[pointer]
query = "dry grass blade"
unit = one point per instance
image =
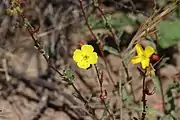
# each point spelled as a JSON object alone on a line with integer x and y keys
{"x": 149, "y": 26}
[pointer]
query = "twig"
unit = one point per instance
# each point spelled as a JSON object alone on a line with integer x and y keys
{"x": 104, "y": 103}
{"x": 41, "y": 105}
{"x": 120, "y": 95}
{"x": 101, "y": 49}
{"x": 130, "y": 8}
{"x": 81, "y": 97}
{"x": 103, "y": 97}
{"x": 162, "y": 95}
{"x": 5, "y": 69}
{"x": 107, "y": 23}
{"x": 99, "y": 79}
{"x": 129, "y": 79}
{"x": 86, "y": 20}
{"x": 144, "y": 97}
{"x": 38, "y": 45}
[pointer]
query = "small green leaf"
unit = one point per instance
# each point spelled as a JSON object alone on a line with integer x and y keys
{"x": 68, "y": 74}
{"x": 169, "y": 33}
{"x": 111, "y": 50}
{"x": 126, "y": 97}
{"x": 116, "y": 21}
{"x": 157, "y": 84}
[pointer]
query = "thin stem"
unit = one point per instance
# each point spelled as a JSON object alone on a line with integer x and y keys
{"x": 101, "y": 89}
{"x": 81, "y": 97}
{"x": 162, "y": 96}
{"x": 39, "y": 47}
{"x": 37, "y": 44}
{"x": 109, "y": 73}
{"x": 119, "y": 4}
{"x": 88, "y": 25}
{"x": 121, "y": 102}
{"x": 86, "y": 20}
{"x": 107, "y": 24}
{"x": 107, "y": 109}
{"x": 99, "y": 79}
{"x": 88, "y": 107}
{"x": 128, "y": 80}
{"x": 144, "y": 97}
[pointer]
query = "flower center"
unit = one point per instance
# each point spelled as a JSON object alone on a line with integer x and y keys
{"x": 143, "y": 57}
{"x": 85, "y": 57}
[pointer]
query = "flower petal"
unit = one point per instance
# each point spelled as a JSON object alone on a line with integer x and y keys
{"x": 139, "y": 49}
{"x": 149, "y": 51}
{"x": 87, "y": 48}
{"x": 136, "y": 60}
{"x": 83, "y": 64}
{"x": 77, "y": 55}
{"x": 145, "y": 63}
{"x": 93, "y": 58}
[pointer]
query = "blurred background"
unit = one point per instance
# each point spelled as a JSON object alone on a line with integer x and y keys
{"x": 31, "y": 90}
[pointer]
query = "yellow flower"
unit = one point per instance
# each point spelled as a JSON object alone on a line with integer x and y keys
{"x": 85, "y": 57}
{"x": 14, "y": 11}
{"x": 143, "y": 56}
{"x": 15, "y": 7}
